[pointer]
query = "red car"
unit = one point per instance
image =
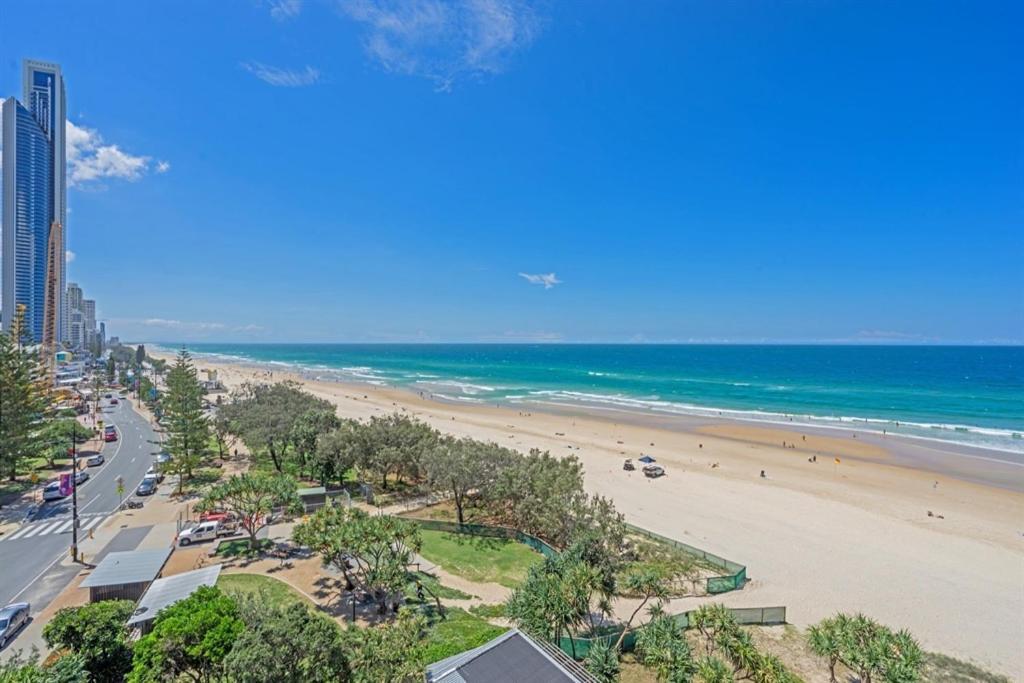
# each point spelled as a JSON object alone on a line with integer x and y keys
{"x": 113, "y": 401}
{"x": 109, "y": 434}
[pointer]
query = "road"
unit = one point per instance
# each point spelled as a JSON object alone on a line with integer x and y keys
{"x": 30, "y": 555}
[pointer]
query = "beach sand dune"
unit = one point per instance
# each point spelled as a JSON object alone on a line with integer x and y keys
{"x": 817, "y": 537}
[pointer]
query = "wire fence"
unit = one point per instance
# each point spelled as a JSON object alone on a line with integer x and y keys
{"x": 746, "y": 616}
{"x": 734, "y": 579}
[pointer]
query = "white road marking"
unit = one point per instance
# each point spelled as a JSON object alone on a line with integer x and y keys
{"x": 92, "y": 522}
{"x": 34, "y": 529}
{"x": 64, "y": 527}
{"x": 19, "y": 533}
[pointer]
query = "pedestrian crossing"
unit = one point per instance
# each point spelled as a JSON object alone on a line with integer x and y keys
{"x": 62, "y": 525}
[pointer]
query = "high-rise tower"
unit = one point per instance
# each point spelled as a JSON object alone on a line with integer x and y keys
{"x": 35, "y": 204}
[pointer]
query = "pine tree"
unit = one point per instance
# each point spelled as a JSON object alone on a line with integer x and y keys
{"x": 188, "y": 431}
{"x": 22, "y": 402}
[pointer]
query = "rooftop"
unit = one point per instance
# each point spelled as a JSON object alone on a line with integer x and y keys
{"x": 169, "y": 590}
{"x": 510, "y": 658}
{"x": 135, "y": 566}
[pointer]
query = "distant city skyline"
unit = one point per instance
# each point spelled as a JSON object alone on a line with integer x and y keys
{"x": 339, "y": 172}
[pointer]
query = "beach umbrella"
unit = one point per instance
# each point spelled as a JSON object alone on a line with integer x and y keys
{"x": 646, "y": 459}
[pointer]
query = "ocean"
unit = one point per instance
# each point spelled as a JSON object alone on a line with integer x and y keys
{"x": 969, "y": 395}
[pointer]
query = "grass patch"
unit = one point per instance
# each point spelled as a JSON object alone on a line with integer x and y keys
{"x": 239, "y": 547}
{"x": 489, "y": 611}
{"x": 433, "y": 586}
{"x": 943, "y": 669}
{"x": 457, "y": 632}
{"x": 273, "y": 591}
{"x": 478, "y": 558}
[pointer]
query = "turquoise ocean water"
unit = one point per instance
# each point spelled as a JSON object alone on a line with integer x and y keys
{"x": 971, "y": 395}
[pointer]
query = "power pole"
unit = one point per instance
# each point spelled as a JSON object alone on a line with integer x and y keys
{"x": 74, "y": 495}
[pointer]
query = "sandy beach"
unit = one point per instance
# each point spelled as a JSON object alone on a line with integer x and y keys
{"x": 817, "y": 536}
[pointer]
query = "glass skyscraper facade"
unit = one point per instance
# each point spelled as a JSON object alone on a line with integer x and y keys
{"x": 34, "y": 198}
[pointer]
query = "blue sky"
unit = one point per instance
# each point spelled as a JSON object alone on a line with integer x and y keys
{"x": 318, "y": 170}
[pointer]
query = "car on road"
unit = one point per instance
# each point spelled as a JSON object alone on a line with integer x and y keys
{"x": 109, "y": 433}
{"x": 113, "y": 401}
{"x": 52, "y": 491}
{"x": 147, "y": 487}
{"x": 107, "y": 395}
{"x": 12, "y": 619}
{"x": 81, "y": 477}
{"x": 204, "y": 531}
{"x": 95, "y": 460}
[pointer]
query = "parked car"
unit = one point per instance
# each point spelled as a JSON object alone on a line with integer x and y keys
{"x": 204, "y": 531}
{"x": 95, "y": 460}
{"x": 654, "y": 471}
{"x": 81, "y": 477}
{"x": 52, "y": 491}
{"x": 162, "y": 458}
{"x": 154, "y": 473}
{"x": 12, "y": 618}
{"x": 147, "y": 487}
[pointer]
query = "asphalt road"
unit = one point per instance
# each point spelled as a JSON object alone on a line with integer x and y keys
{"x": 30, "y": 555}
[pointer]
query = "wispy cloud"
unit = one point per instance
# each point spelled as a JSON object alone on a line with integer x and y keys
{"x": 444, "y": 41}
{"x": 282, "y": 10}
{"x": 282, "y": 78}
{"x": 69, "y": 256}
{"x": 549, "y": 280}
{"x": 163, "y": 166}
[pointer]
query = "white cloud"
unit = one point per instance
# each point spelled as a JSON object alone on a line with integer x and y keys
{"x": 283, "y": 78}
{"x": 163, "y": 166}
{"x": 547, "y": 279}
{"x": 69, "y": 256}
{"x": 444, "y": 41}
{"x": 282, "y": 10}
{"x": 90, "y": 159}
{"x": 180, "y": 324}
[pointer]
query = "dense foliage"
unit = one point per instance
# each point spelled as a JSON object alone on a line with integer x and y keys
{"x": 23, "y": 401}
{"x": 95, "y": 632}
{"x": 871, "y": 650}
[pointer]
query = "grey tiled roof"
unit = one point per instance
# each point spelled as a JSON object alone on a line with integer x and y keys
{"x": 512, "y": 657}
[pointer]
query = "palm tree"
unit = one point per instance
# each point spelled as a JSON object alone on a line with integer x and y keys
{"x": 824, "y": 642}
{"x": 714, "y": 670}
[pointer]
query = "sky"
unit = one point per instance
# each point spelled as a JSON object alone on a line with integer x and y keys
{"x": 517, "y": 171}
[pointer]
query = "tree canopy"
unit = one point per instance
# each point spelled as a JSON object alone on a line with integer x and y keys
{"x": 188, "y": 431}
{"x": 252, "y": 496}
{"x": 95, "y": 632}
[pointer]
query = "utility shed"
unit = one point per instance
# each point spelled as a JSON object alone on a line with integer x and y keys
{"x": 512, "y": 657}
{"x": 125, "y": 575}
{"x": 167, "y": 591}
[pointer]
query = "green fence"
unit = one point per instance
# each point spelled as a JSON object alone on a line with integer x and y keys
{"x": 734, "y": 579}
{"x": 488, "y": 531}
{"x": 763, "y": 616}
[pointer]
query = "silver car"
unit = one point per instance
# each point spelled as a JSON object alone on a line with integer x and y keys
{"x": 12, "y": 618}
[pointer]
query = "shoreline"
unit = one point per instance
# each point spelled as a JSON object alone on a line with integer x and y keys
{"x": 869, "y": 534}
{"x": 999, "y": 443}
{"x": 969, "y": 463}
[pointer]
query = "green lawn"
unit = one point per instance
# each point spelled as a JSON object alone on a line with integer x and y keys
{"x": 484, "y": 560}
{"x": 237, "y": 547}
{"x": 458, "y": 632}
{"x": 275, "y": 592}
